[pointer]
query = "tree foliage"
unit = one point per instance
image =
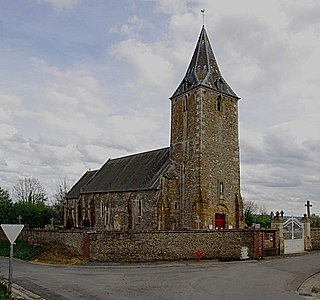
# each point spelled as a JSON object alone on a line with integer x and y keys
{"x": 60, "y": 202}
{"x": 255, "y": 215}
{"x": 29, "y": 190}
{"x": 33, "y": 213}
{"x": 314, "y": 221}
{"x": 6, "y": 207}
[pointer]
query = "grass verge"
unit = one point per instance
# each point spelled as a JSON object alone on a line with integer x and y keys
{"x": 51, "y": 253}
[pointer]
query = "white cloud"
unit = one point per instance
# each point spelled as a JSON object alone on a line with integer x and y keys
{"x": 303, "y": 15}
{"x": 133, "y": 26}
{"x": 60, "y": 4}
{"x": 7, "y": 131}
{"x": 281, "y": 166}
{"x": 147, "y": 61}
{"x": 9, "y": 104}
{"x": 60, "y": 117}
{"x": 172, "y": 7}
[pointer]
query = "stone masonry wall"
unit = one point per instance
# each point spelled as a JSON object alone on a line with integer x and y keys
{"x": 315, "y": 238}
{"x": 137, "y": 247}
{"x": 152, "y": 246}
{"x": 204, "y": 141}
{"x": 39, "y": 236}
{"x": 124, "y": 210}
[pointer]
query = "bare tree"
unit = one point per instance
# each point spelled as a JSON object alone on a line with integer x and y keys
{"x": 60, "y": 201}
{"x": 255, "y": 214}
{"x": 29, "y": 190}
{"x": 263, "y": 210}
{"x": 250, "y": 207}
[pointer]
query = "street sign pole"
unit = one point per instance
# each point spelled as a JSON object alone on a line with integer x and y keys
{"x": 10, "y": 269}
{"x": 11, "y": 231}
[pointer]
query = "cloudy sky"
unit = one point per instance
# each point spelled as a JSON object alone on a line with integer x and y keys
{"x": 85, "y": 80}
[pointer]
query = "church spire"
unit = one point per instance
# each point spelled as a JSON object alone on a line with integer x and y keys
{"x": 203, "y": 70}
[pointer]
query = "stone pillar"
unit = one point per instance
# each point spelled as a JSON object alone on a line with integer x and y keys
{"x": 257, "y": 244}
{"x": 86, "y": 246}
{"x": 307, "y": 234}
{"x": 277, "y": 223}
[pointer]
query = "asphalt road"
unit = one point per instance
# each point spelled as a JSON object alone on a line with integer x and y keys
{"x": 268, "y": 279}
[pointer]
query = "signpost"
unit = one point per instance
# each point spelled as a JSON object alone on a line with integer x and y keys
{"x": 11, "y": 231}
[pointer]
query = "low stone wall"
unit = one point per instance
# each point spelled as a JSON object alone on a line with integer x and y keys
{"x": 137, "y": 247}
{"x": 153, "y": 246}
{"x": 39, "y": 236}
{"x": 315, "y": 238}
{"x": 69, "y": 238}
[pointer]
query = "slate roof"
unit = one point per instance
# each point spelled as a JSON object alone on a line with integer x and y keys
{"x": 76, "y": 189}
{"x": 203, "y": 70}
{"x": 130, "y": 173}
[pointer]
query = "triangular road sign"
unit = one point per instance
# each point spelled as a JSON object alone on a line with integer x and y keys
{"x": 12, "y": 231}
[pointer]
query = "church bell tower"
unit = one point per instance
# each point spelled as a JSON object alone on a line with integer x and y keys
{"x": 204, "y": 143}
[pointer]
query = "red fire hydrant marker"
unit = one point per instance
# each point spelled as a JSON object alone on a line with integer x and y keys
{"x": 198, "y": 255}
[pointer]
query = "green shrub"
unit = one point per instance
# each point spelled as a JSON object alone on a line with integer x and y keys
{"x": 4, "y": 295}
{"x": 21, "y": 250}
{"x": 4, "y": 249}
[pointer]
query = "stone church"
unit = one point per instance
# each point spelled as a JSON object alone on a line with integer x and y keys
{"x": 193, "y": 184}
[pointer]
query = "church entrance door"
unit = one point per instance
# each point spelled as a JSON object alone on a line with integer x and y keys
{"x": 220, "y": 220}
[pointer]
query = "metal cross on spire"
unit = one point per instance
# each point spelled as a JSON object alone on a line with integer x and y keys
{"x": 202, "y": 11}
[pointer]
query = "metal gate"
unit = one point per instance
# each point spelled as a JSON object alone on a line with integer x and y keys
{"x": 293, "y": 234}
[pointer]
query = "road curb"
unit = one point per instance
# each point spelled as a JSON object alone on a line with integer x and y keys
{"x": 20, "y": 293}
{"x": 307, "y": 288}
{"x": 159, "y": 264}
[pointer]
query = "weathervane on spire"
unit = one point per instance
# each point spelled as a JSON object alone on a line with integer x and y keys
{"x": 202, "y": 11}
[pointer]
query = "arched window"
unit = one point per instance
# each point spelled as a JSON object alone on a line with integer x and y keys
{"x": 105, "y": 212}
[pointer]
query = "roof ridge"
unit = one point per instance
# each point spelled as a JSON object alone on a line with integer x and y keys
{"x": 139, "y": 153}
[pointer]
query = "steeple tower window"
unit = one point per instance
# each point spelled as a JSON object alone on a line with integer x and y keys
{"x": 184, "y": 103}
{"x": 219, "y": 103}
{"x": 139, "y": 208}
{"x": 221, "y": 190}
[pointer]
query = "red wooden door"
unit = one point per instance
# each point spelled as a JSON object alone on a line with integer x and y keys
{"x": 219, "y": 221}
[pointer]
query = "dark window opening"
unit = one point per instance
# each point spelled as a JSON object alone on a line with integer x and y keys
{"x": 107, "y": 214}
{"x": 185, "y": 103}
{"x": 139, "y": 208}
{"x": 219, "y": 103}
{"x": 221, "y": 188}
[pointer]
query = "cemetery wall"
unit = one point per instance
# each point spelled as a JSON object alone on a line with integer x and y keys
{"x": 315, "y": 238}
{"x": 156, "y": 245}
{"x": 138, "y": 247}
{"x": 39, "y": 236}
